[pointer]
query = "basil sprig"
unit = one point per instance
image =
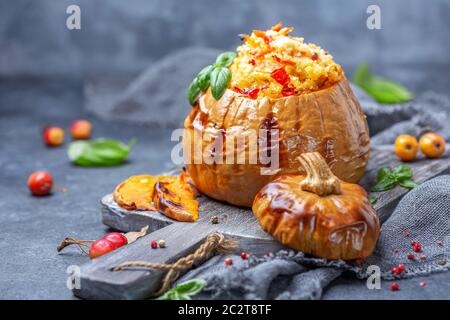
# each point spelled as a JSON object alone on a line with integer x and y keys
{"x": 99, "y": 152}
{"x": 184, "y": 290}
{"x": 388, "y": 179}
{"x": 216, "y": 75}
{"x": 382, "y": 90}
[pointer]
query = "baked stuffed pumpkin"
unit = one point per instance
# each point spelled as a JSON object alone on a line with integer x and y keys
{"x": 275, "y": 82}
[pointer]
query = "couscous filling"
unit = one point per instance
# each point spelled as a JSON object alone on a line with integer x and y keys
{"x": 274, "y": 64}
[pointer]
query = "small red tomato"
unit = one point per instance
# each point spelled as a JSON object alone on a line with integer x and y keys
{"x": 100, "y": 247}
{"x": 40, "y": 183}
{"x": 53, "y": 136}
{"x": 401, "y": 268}
{"x": 154, "y": 244}
{"x": 395, "y": 286}
{"x": 228, "y": 261}
{"x": 116, "y": 238}
{"x": 411, "y": 256}
{"x": 81, "y": 129}
{"x": 432, "y": 145}
{"x": 422, "y": 284}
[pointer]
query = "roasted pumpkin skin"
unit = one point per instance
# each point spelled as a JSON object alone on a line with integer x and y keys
{"x": 329, "y": 121}
{"x": 337, "y": 225}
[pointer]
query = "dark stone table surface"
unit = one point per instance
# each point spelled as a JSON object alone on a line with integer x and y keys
{"x": 31, "y": 227}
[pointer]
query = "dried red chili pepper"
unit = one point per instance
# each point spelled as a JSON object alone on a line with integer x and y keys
{"x": 315, "y": 56}
{"x": 252, "y": 62}
{"x": 281, "y": 76}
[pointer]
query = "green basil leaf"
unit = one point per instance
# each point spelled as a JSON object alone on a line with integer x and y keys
{"x": 362, "y": 76}
{"x": 184, "y": 290}
{"x": 169, "y": 295}
{"x": 191, "y": 287}
{"x": 402, "y": 172}
{"x": 407, "y": 184}
{"x": 225, "y": 59}
{"x": 193, "y": 92}
{"x": 384, "y": 184}
{"x": 220, "y": 77}
{"x": 99, "y": 152}
{"x": 383, "y": 173}
{"x": 382, "y": 90}
{"x": 372, "y": 199}
{"x": 203, "y": 78}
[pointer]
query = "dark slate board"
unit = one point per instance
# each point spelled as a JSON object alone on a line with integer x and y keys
{"x": 98, "y": 282}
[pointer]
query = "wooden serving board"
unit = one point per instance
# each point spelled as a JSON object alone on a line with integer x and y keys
{"x": 99, "y": 282}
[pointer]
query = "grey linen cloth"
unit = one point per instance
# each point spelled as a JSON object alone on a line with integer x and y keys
{"x": 422, "y": 215}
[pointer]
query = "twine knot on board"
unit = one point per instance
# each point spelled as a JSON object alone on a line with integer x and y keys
{"x": 214, "y": 243}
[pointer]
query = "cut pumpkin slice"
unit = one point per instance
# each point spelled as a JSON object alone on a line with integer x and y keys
{"x": 174, "y": 197}
{"x": 136, "y": 192}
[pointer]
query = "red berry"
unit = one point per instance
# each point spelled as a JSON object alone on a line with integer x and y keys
{"x": 395, "y": 286}
{"x": 53, "y": 136}
{"x": 417, "y": 247}
{"x": 244, "y": 255}
{"x": 411, "y": 256}
{"x": 40, "y": 183}
{"x": 154, "y": 244}
{"x": 100, "y": 247}
{"x": 422, "y": 284}
{"x": 395, "y": 270}
{"x": 228, "y": 261}
{"x": 116, "y": 238}
{"x": 81, "y": 129}
{"x": 401, "y": 268}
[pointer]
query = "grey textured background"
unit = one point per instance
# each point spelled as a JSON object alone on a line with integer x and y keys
{"x": 44, "y": 66}
{"x": 122, "y": 37}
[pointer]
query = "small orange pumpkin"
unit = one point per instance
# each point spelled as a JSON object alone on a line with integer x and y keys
{"x": 318, "y": 214}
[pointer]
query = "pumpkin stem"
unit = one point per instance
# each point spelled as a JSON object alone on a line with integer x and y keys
{"x": 319, "y": 178}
